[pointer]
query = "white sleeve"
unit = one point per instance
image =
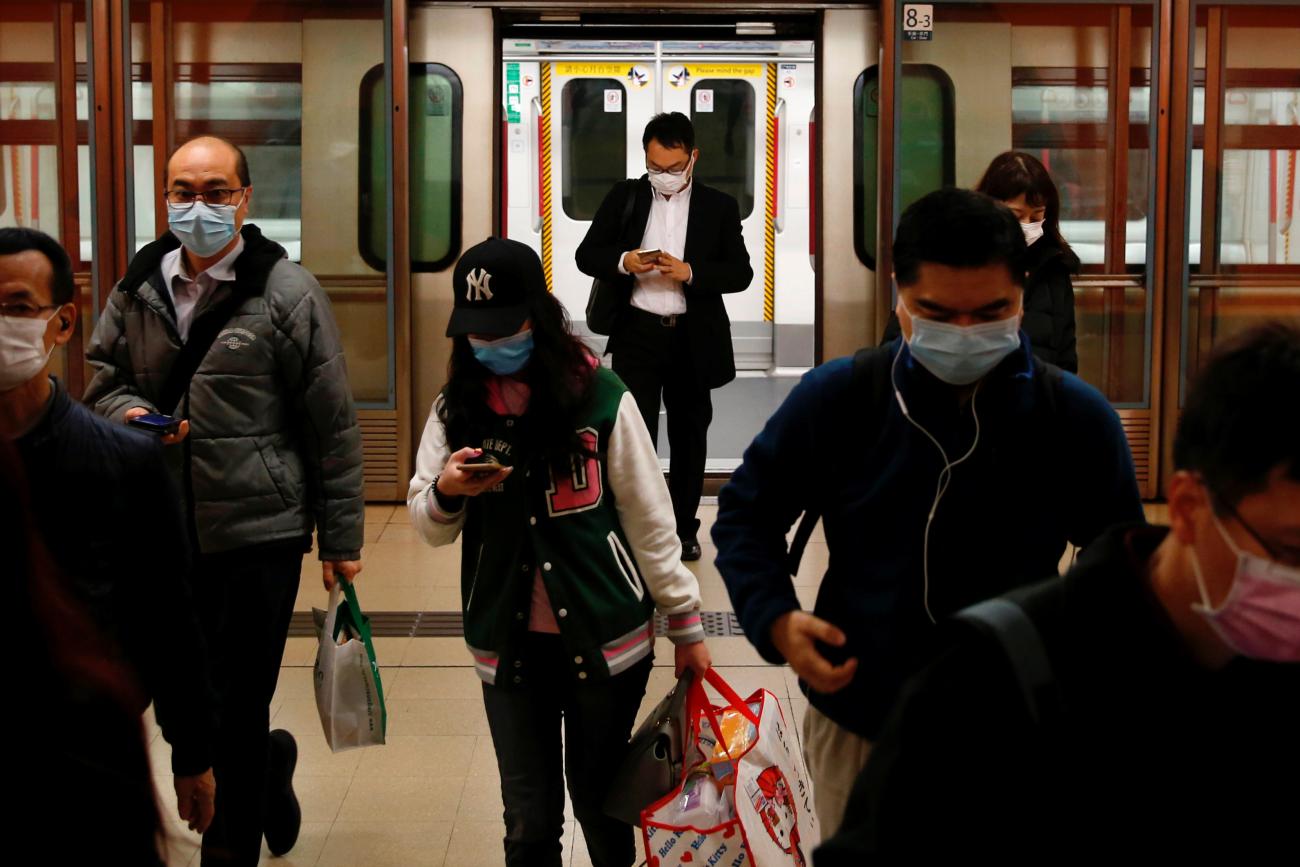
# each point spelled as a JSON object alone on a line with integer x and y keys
{"x": 433, "y": 524}
{"x": 645, "y": 512}
{"x": 621, "y": 269}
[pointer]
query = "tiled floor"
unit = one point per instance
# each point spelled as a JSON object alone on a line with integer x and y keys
{"x": 431, "y": 796}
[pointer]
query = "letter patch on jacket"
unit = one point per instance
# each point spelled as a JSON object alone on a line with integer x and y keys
{"x": 583, "y": 488}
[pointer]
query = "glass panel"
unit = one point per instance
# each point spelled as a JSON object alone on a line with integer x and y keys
{"x": 265, "y": 119}
{"x": 1259, "y": 183}
{"x": 145, "y": 180}
{"x": 593, "y": 142}
{"x": 280, "y": 89}
{"x": 1040, "y": 84}
{"x": 725, "y": 137}
{"x": 30, "y": 180}
{"x": 1217, "y": 314}
{"x": 927, "y": 140}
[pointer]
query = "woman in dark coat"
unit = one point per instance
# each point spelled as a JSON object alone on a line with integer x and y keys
{"x": 1022, "y": 183}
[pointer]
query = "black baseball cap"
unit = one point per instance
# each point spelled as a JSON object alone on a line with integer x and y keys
{"x": 492, "y": 284}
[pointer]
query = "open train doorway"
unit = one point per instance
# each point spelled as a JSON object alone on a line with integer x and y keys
{"x": 573, "y": 112}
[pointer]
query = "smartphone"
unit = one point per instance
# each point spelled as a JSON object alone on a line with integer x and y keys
{"x": 648, "y": 256}
{"x": 481, "y": 465}
{"x": 159, "y": 424}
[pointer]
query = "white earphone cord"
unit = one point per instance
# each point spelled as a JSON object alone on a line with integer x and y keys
{"x": 945, "y": 475}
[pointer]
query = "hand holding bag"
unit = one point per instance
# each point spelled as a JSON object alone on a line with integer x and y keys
{"x": 349, "y": 693}
{"x": 653, "y": 763}
{"x": 749, "y": 803}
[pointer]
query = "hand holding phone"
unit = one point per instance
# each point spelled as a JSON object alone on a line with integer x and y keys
{"x": 484, "y": 464}
{"x": 648, "y": 257}
{"x": 155, "y": 423}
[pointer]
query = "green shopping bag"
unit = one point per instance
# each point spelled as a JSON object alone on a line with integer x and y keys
{"x": 349, "y": 691}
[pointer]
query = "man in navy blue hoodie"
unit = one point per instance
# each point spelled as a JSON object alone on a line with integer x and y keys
{"x": 952, "y": 466}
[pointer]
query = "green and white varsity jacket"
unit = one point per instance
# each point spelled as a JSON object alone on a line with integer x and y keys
{"x": 603, "y": 538}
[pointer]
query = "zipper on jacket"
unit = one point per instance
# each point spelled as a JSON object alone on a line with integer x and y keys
{"x": 474, "y": 581}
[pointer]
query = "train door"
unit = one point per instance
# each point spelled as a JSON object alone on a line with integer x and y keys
{"x": 573, "y": 133}
{"x": 571, "y": 129}
{"x": 752, "y": 125}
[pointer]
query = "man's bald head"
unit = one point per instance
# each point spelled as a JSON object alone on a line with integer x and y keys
{"x": 208, "y": 156}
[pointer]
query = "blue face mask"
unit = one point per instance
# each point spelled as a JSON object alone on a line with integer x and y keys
{"x": 203, "y": 229}
{"x": 962, "y": 354}
{"x": 505, "y": 356}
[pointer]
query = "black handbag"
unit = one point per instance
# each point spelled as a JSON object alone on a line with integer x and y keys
{"x": 652, "y": 766}
{"x": 607, "y": 300}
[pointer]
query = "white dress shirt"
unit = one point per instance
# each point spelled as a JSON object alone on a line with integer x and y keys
{"x": 187, "y": 291}
{"x": 665, "y": 230}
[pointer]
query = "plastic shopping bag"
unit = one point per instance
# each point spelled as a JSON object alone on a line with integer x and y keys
{"x": 349, "y": 693}
{"x": 747, "y": 802}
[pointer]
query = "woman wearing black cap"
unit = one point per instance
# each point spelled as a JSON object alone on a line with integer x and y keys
{"x": 538, "y": 459}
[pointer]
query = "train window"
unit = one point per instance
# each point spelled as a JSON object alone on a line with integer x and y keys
{"x": 928, "y": 128}
{"x": 1059, "y": 115}
{"x": 593, "y": 143}
{"x": 1258, "y": 193}
{"x": 725, "y": 137}
{"x": 436, "y": 101}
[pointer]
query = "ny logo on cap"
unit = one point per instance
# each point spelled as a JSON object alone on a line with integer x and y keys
{"x": 478, "y": 289}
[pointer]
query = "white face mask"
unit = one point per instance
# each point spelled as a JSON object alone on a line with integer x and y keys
{"x": 1033, "y": 231}
{"x": 22, "y": 349}
{"x": 671, "y": 183}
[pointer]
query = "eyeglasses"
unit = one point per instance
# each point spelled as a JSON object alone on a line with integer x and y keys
{"x": 186, "y": 198}
{"x": 23, "y": 310}
{"x": 1291, "y": 558}
{"x": 677, "y": 173}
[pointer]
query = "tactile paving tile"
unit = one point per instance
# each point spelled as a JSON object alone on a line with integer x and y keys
{"x": 430, "y": 624}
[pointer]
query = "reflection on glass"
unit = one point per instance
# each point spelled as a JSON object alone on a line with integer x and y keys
{"x": 1217, "y": 314}
{"x": 265, "y": 119}
{"x": 593, "y": 144}
{"x": 434, "y": 142}
{"x": 928, "y": 139}
{"x": 725, "y": 137}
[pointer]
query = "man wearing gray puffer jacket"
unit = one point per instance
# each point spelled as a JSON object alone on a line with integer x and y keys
{"x": 247, "y": 355}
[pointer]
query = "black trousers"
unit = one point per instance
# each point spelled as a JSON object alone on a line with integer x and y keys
{"x": 525, "y": 724}
{"x": 654, "y": 359}
{"x": 244, "y": 600}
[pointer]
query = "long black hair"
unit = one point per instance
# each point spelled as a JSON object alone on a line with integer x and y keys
{"x": 1017, "y": 173}
{"x": 559, "y": 374}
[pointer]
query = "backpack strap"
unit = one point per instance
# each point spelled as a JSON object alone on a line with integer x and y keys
{"x": 252, "y": 269}
{"x": 1005, "y": 620}
{"x": 203, "y": 332}
{"x": 870, "y": 380}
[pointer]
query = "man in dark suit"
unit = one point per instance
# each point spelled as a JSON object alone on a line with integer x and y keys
{"x": 672, "y": 259}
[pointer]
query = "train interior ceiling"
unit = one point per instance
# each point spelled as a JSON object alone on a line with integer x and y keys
{"x": 1172, "y": 131}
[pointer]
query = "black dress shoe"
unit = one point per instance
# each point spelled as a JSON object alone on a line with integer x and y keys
{"x": 690, "y": 549}
{"x": 283, "y": 814}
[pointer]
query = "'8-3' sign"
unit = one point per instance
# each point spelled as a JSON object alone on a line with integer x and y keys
{"x": 918, "y": 22}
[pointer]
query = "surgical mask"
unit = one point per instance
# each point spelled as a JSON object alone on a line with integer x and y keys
{"x": 962, "y": 354}
{"x": 671, "y": 183}
{"x": 1033, "y": 231}
{"x": 505, "y": 356}
{"x": 22, "y": 349}
{"x": 203, "y": 229}
{"x": 1260, "y": 619}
